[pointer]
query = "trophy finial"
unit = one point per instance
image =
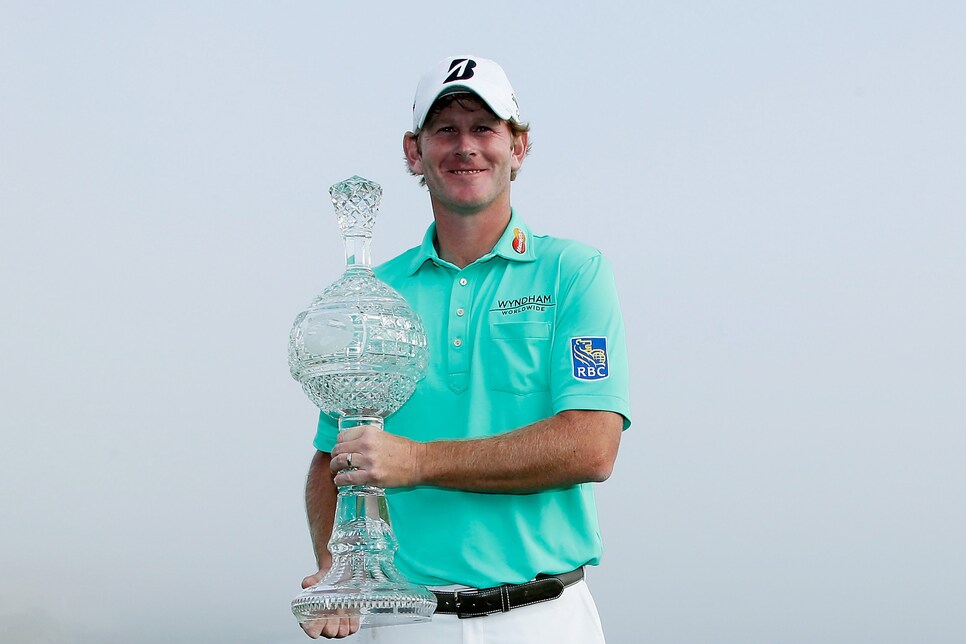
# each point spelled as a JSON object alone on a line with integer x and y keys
{"x": 356, "y": 202}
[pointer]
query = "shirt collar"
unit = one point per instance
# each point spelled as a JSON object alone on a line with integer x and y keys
{"x": 516, "y": 244}
{"x": 426, "y": 252}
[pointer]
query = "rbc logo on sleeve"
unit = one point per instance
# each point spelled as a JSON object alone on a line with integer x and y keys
{"x": 589, "y": 357}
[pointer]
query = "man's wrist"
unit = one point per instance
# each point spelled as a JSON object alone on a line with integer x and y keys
{"x": 423, "y": 462}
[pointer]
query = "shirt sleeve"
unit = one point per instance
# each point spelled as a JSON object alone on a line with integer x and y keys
{"x": 326, "y": 434}
{"x": 589, "y": 355}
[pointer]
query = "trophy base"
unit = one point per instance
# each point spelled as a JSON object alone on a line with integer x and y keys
{"x": 363, "y": 583}
{"x": 386, "y": 605}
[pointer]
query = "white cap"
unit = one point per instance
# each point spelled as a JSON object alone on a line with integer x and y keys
{"x": 473, "y": 74}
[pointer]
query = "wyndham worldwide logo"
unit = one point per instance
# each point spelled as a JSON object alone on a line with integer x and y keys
{"x": 526, "y": 303}
{"x": 589, "y": 358}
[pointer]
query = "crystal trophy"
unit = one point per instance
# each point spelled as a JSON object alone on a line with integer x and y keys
{"x": 358, "y": 350}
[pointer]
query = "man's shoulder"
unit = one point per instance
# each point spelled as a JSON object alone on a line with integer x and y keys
{"x": 399, "y": 266}
{"x": 569, "y": 253}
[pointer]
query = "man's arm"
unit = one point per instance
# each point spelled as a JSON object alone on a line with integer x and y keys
{"x": 575, "y": 446}
{"x": 320, "y": 501}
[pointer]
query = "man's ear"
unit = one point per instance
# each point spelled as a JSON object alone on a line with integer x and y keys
{"x": 411, "y": 150}
{"x": 520, "y": 143}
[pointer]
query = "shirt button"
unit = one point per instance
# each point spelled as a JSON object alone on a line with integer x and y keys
{"x": 457, "y": 342}
{"x": 460, "y": 312}
{"x": 462, "y": 281}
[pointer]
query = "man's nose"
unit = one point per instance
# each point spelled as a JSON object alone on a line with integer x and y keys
{"x": 465, "y": 148}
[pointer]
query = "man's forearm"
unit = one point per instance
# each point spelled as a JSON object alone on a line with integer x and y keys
{"x": 568, "y": 448}
{"x": 565, "y": 449}
{"x": 320, "y": 500}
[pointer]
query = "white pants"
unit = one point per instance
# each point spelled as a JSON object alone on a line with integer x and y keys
{"x": 570, "y": 619}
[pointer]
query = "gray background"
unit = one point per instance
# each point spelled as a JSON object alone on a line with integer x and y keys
{"x": 779, "y": 186}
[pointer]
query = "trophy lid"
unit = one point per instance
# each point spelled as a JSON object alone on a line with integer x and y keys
{"x": 356, "y": 202}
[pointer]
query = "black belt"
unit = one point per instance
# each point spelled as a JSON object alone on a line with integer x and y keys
{"x": 500, "y": 599}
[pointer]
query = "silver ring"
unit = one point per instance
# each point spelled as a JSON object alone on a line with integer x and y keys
{"x": 348, "y": 460}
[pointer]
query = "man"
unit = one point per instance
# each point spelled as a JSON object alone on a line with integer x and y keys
{"x": 488, "y": 466}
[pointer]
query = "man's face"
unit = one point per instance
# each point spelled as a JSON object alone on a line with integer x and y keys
{"x": 466, "y": 153}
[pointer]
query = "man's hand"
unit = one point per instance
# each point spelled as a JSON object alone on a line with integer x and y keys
{"x": 333, "y": 627}
{"x": 376, "y": 457}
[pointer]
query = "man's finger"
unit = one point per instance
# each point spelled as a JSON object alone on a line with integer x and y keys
{"x": 311, "y": 580}
{"x": 345, "y": 462}
{"x": 349, "y": 477}
{"x": 352, "y": 433}
{"x": 313, "y": 629}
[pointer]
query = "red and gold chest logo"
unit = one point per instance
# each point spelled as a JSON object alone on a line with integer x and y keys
{"x": 519, "y": 241}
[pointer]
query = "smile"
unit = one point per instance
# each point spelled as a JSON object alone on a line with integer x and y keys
{"x": 466, "y": 171}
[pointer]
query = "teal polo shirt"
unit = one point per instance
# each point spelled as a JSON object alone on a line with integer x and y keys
{"x": 531, "y": 329}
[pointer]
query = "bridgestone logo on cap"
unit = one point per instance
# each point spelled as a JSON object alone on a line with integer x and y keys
{"x": 460, "y": 69}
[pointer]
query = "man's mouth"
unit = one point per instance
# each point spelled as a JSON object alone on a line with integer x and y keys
{"x": 466, "y": 171}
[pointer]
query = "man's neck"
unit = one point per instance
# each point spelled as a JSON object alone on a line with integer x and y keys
{"x": 461, "y": 239}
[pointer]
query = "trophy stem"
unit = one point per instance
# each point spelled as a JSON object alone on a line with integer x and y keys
{"x": 357, "y": 251}
{"x": 363, "y": 581}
